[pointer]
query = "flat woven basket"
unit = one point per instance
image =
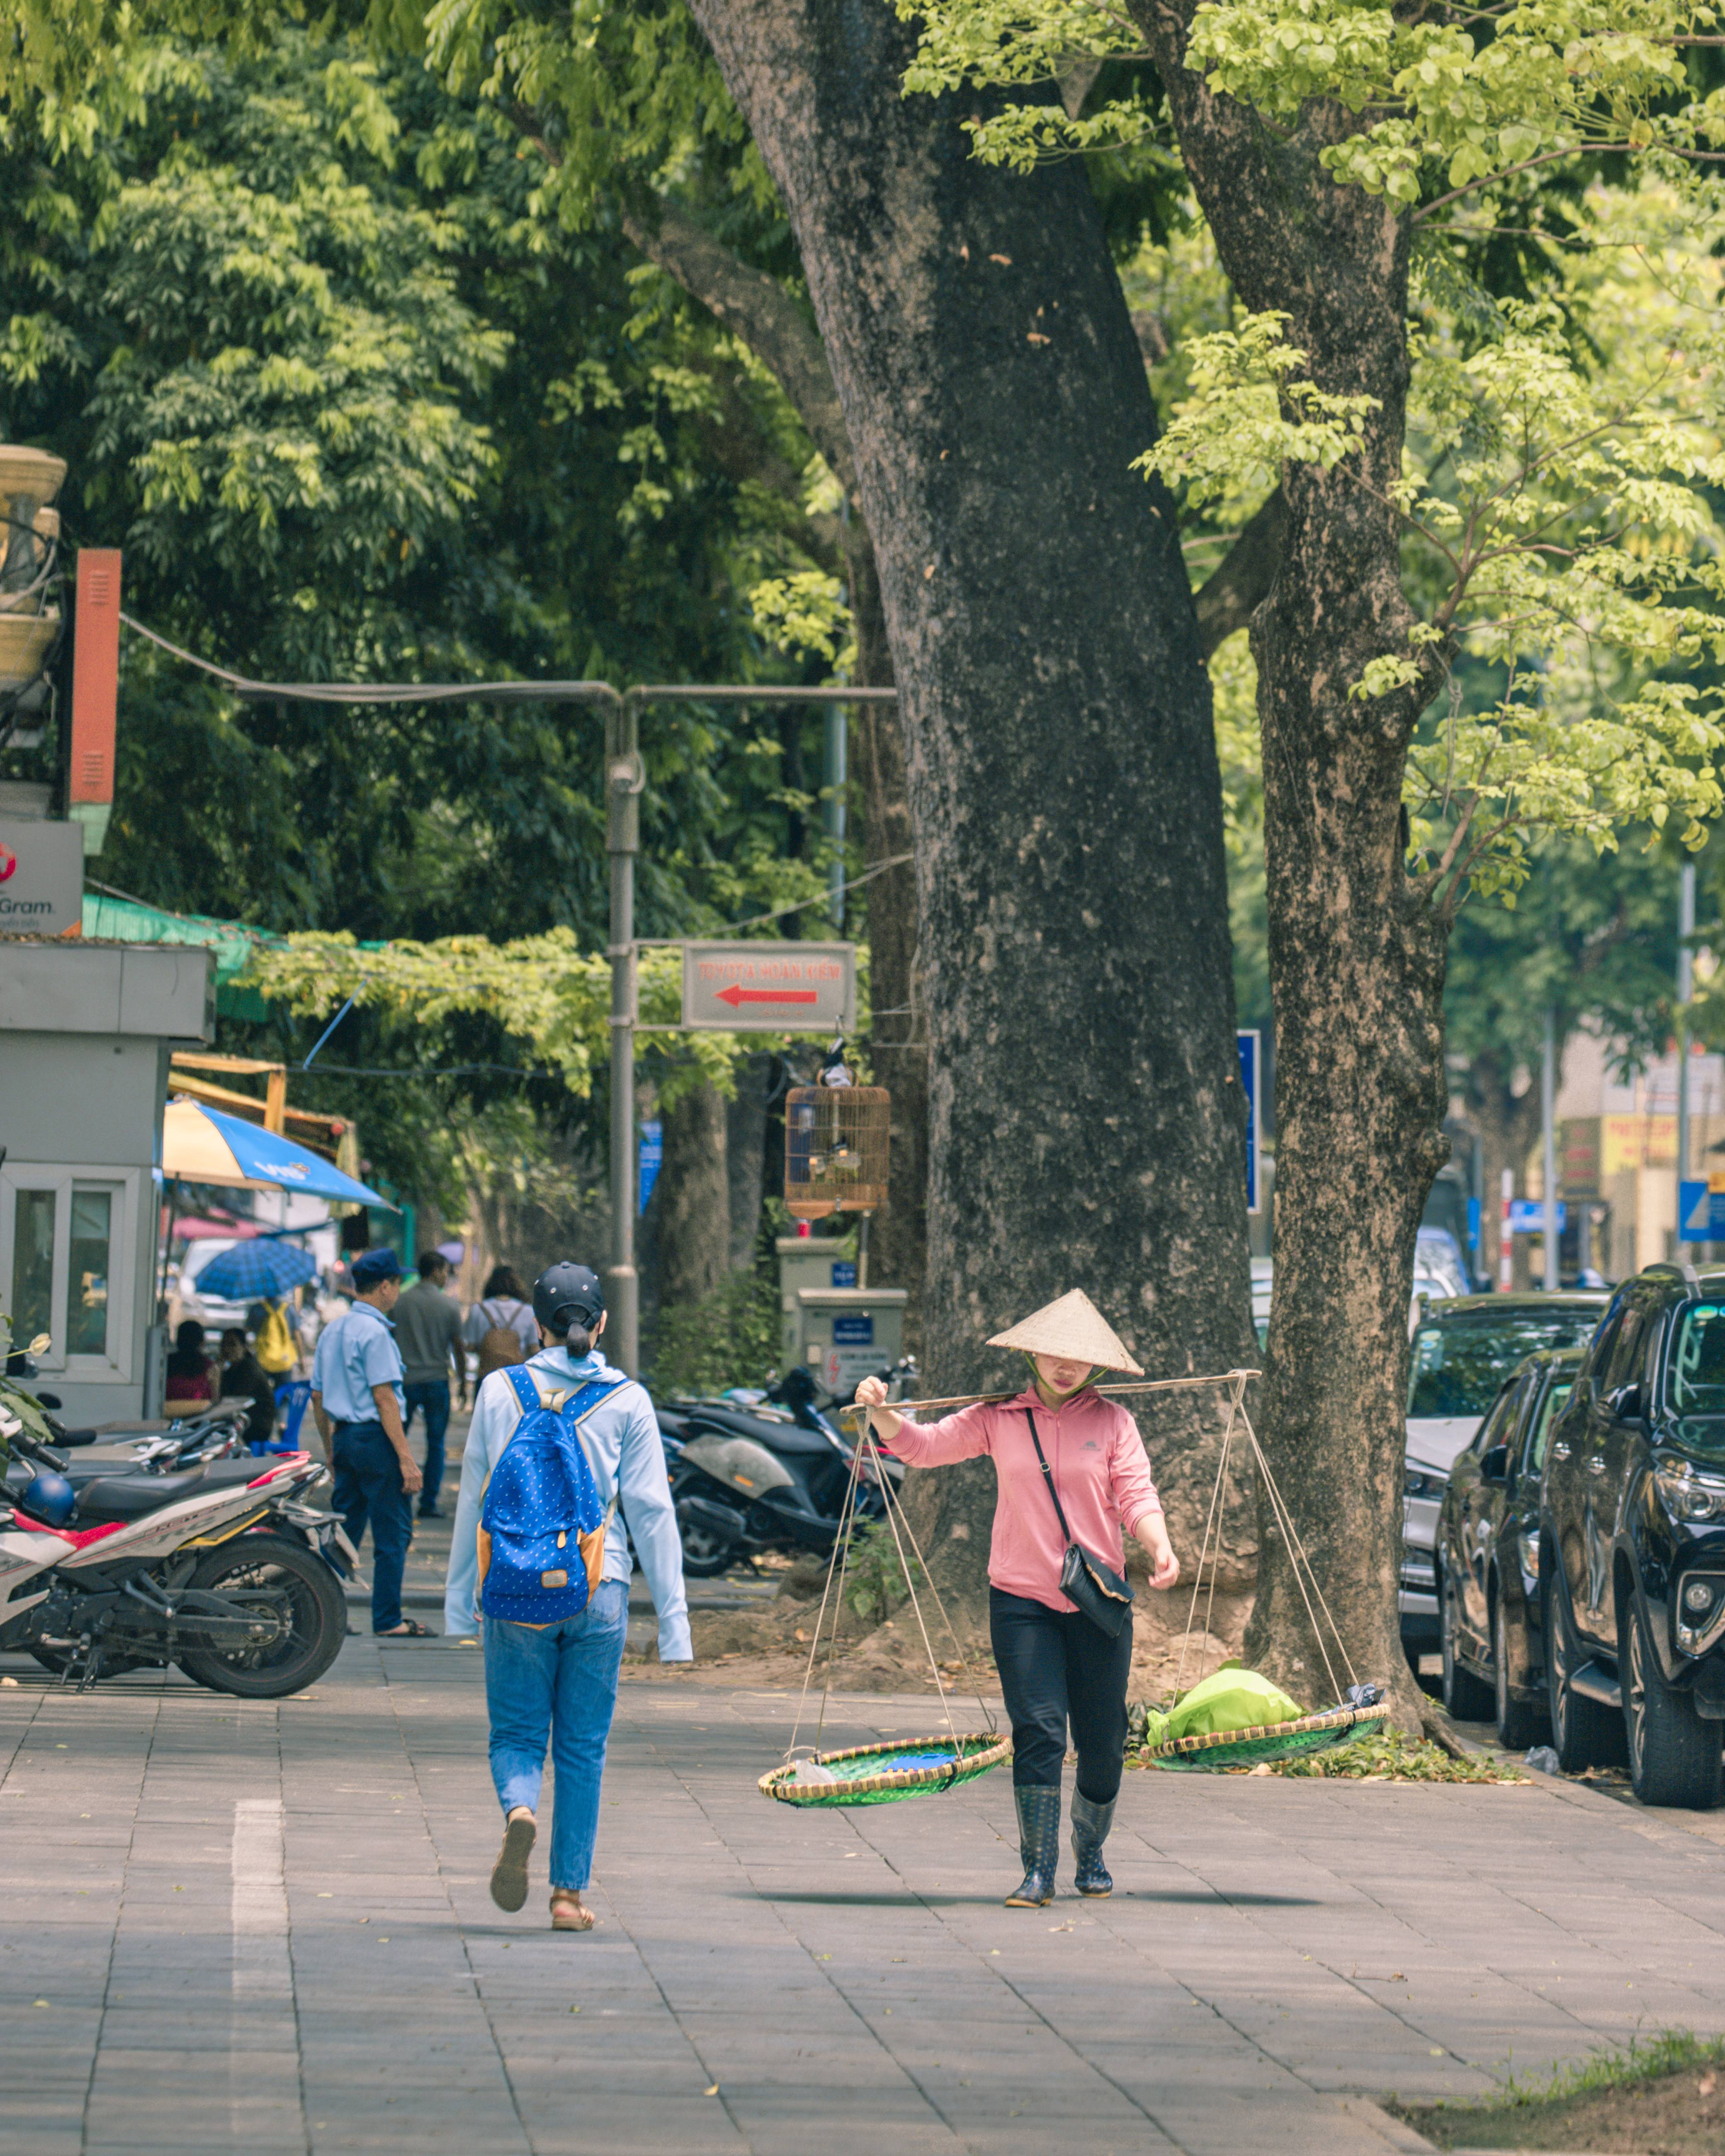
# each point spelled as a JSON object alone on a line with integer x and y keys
{"x": 1276, "y": 1740}
{"x": 869, "y": 1776}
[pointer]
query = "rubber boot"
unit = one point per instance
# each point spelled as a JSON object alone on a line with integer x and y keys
{"x": 1089, "y": 1830}
{"x": 1039, "y": 1844}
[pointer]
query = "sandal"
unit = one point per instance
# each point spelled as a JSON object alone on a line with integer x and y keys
{"x": 569, "y": 1913}
{"x": 509, "y": 1874}
{"x": 409, "y": 1629}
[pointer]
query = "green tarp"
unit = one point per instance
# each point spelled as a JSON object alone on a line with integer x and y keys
{"x": 125, "y": 920}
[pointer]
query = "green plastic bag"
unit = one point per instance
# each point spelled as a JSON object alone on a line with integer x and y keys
{"x": 1231, "y": 1698}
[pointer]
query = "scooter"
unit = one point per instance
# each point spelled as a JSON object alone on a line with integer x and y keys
{"x": 214, "y": 1567}
{"x": 770, "y": 1476}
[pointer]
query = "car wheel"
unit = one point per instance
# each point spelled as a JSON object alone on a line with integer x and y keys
{"x": 1520, "y": 1721}
{"x": 1674, "y": 1753}
{"x": 1584, "y": 1733}
{"x": 1465, "y": 1698}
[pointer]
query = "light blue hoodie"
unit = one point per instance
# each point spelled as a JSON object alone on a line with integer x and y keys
{"x": 621, "y": 1440}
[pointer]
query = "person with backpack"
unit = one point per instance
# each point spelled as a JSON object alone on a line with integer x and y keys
{"x": 557, "y": 1446}
{"x": 502, "y": 1325}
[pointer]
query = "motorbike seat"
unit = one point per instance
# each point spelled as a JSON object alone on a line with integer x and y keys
{"x": 133, "y": 1496}
{"x": 785, "y": 1437}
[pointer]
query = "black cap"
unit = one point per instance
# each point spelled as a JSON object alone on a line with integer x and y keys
{"x": 568, "y": 1292}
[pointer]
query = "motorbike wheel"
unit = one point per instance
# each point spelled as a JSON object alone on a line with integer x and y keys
{"x": 706, "y": 1553}
{"x": 319, "y": 1610}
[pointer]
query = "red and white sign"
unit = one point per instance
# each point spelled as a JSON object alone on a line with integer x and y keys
{"x": 769, "y": 988}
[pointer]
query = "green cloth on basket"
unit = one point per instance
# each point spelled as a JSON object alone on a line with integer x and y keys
{"x": 1231, "y": 1698}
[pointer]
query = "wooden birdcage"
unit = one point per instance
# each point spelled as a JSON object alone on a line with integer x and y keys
{"x": 837, "y": 1139}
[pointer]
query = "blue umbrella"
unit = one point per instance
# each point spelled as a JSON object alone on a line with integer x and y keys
{"x": 255, "y": 1268}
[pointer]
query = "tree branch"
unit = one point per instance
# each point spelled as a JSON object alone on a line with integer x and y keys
{"x": 762, "y": 314}
{"x": 1235, "y": 589}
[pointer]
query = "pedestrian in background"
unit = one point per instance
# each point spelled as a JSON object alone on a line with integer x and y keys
{"x": 190, "y": 1379}
{"x": 244, "y": 1378}
{"x": 502, "y": 1325}
{"x": 559, "y": 1680}
{"x": 428, "y": 1331}
{"x": 357, "y": 1397}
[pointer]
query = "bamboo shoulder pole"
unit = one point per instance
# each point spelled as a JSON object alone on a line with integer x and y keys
{"x": 1108, "y": 1392}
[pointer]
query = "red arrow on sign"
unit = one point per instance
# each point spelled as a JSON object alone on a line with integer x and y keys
{"x": 734, "y": 996}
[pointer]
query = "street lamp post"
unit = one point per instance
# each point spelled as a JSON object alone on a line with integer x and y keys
{"x": 1686, "y": 989}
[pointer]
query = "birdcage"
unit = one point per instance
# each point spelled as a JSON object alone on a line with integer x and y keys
{"x": 836, "y": 1143}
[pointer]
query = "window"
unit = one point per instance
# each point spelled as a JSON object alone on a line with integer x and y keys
{"x": 1695, "y": 1377}
{"x": 1499, "y": 1425}
{"x": 1459, "y": 1361}
{"x": 1549, "y": 1409}
{"x": 68, "y": 1248}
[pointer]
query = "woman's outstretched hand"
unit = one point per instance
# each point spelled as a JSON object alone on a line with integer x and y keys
{"x": 871, "y": 1396}
{"x": 1152, "y": 1531}
{"x": 871, "y": 1393}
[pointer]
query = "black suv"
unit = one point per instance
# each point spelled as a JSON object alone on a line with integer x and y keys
{"x": 1632, "y": 1543}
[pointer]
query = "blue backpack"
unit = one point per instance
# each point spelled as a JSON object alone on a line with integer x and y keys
{"x": 541, "y": 1535}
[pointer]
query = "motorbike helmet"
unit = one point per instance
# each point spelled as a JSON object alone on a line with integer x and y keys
{"x": 49, "y": 1498}
{"x": 566, "y": 1294}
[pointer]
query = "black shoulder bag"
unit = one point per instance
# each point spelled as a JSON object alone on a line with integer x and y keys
{"x": 1102, "y": 1595}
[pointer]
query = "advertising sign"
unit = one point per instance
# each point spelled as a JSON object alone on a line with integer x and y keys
{"x": 41, "y": 878}
{"x": 769, "y": 988}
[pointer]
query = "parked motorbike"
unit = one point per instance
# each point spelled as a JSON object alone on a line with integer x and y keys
{"x": 768, "y": 1475}
{"x": 212, "y": 1566}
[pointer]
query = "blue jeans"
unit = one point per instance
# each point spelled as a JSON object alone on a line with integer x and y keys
{"x": 368, "y": 1487}
{"x": 432, "y": 1401}
{"x": 561, "y": 1682}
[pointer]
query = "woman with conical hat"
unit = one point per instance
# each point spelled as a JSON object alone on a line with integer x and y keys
{"x": 1056, "y": 1666}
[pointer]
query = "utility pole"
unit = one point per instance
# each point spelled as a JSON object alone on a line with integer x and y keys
{"x": 625, "y": 778}
{"x": 1686, "y": 990}
{"x": 1548, "y": 1131}
{"x": 834, "y": 781}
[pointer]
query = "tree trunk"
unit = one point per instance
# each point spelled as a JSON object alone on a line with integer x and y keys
{"x": 1085, "y": 1124}
{"x": 689, "y": 1212}
{"x": 1357, "y": 949}
{"x": 768, "y": 319}
{"x": 1508, "y": 1124}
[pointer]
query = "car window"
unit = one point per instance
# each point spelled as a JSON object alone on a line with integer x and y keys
{"x": 1460, "y": 1357}
{"x": 1624, "y": 1366}
{"x": 1550, "y": 1407}
{"x": 1497, "y": 1427}
{"x": 1695, "y": 1374}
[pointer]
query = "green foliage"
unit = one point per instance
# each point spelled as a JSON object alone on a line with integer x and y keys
{"x": 1529, "y": 2102}
{"x": 875, "y": 1582}
{"x": 730, "y": 1337}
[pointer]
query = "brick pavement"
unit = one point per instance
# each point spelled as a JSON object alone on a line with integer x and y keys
{"x": 267, "y": 1926}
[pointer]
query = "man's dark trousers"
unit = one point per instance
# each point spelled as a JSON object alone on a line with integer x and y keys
{"x": 432, "y": 1399}
{"x": 368, "y": 1485}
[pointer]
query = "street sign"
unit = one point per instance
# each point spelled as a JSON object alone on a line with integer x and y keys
{"x": 651, "y": 1159}
{"x": 1527, "y": 1216}
{"x": 1250, "y": 1064}
{"x": 1701, "y": 1209}
{"x": 41, "y": 878}
{"x": 769, "y": 988}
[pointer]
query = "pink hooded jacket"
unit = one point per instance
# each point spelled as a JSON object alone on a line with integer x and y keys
{"x": 1099, "y": 1465}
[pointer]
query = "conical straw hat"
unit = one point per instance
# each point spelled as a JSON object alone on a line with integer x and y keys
{"x": 1073, "y": 1327}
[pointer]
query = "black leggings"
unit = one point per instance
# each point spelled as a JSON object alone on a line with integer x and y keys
{"x": 1055, "y": 1666}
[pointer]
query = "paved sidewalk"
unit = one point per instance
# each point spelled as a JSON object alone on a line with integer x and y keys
{"x": 235, "y": 1926}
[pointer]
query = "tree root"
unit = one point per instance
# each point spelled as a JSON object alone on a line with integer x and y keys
{"x": 1436, "y": 1725}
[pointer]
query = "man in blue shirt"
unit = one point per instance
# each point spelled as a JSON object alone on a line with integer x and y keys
{"x": 558, "y": 1681}
{"x": 357, "y": 1397}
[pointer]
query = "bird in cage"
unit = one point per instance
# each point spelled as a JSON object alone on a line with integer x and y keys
{"x": 834, "y": 1071}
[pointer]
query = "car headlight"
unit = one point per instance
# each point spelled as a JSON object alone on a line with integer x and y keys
{"x": 1529, "y": 1545}
{"x": 1689, "y": 1496}
{"x": 1417, "y": 1483}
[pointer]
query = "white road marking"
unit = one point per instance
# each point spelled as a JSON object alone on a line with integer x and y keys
{"x": 265, "y": 2095}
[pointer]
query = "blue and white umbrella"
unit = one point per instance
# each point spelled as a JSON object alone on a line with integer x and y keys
{"x": 202, "y": 1145}
{"x": 262, "y": 1267}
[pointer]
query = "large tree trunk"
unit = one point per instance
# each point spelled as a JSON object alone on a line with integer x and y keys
{"x": 1508, "y": 1124}
{"x": 1085, "y": 1124}
{"x": 759, "y": 309}
{"x": 1357, "y": 950}
{"x": 689, "y": 1217}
